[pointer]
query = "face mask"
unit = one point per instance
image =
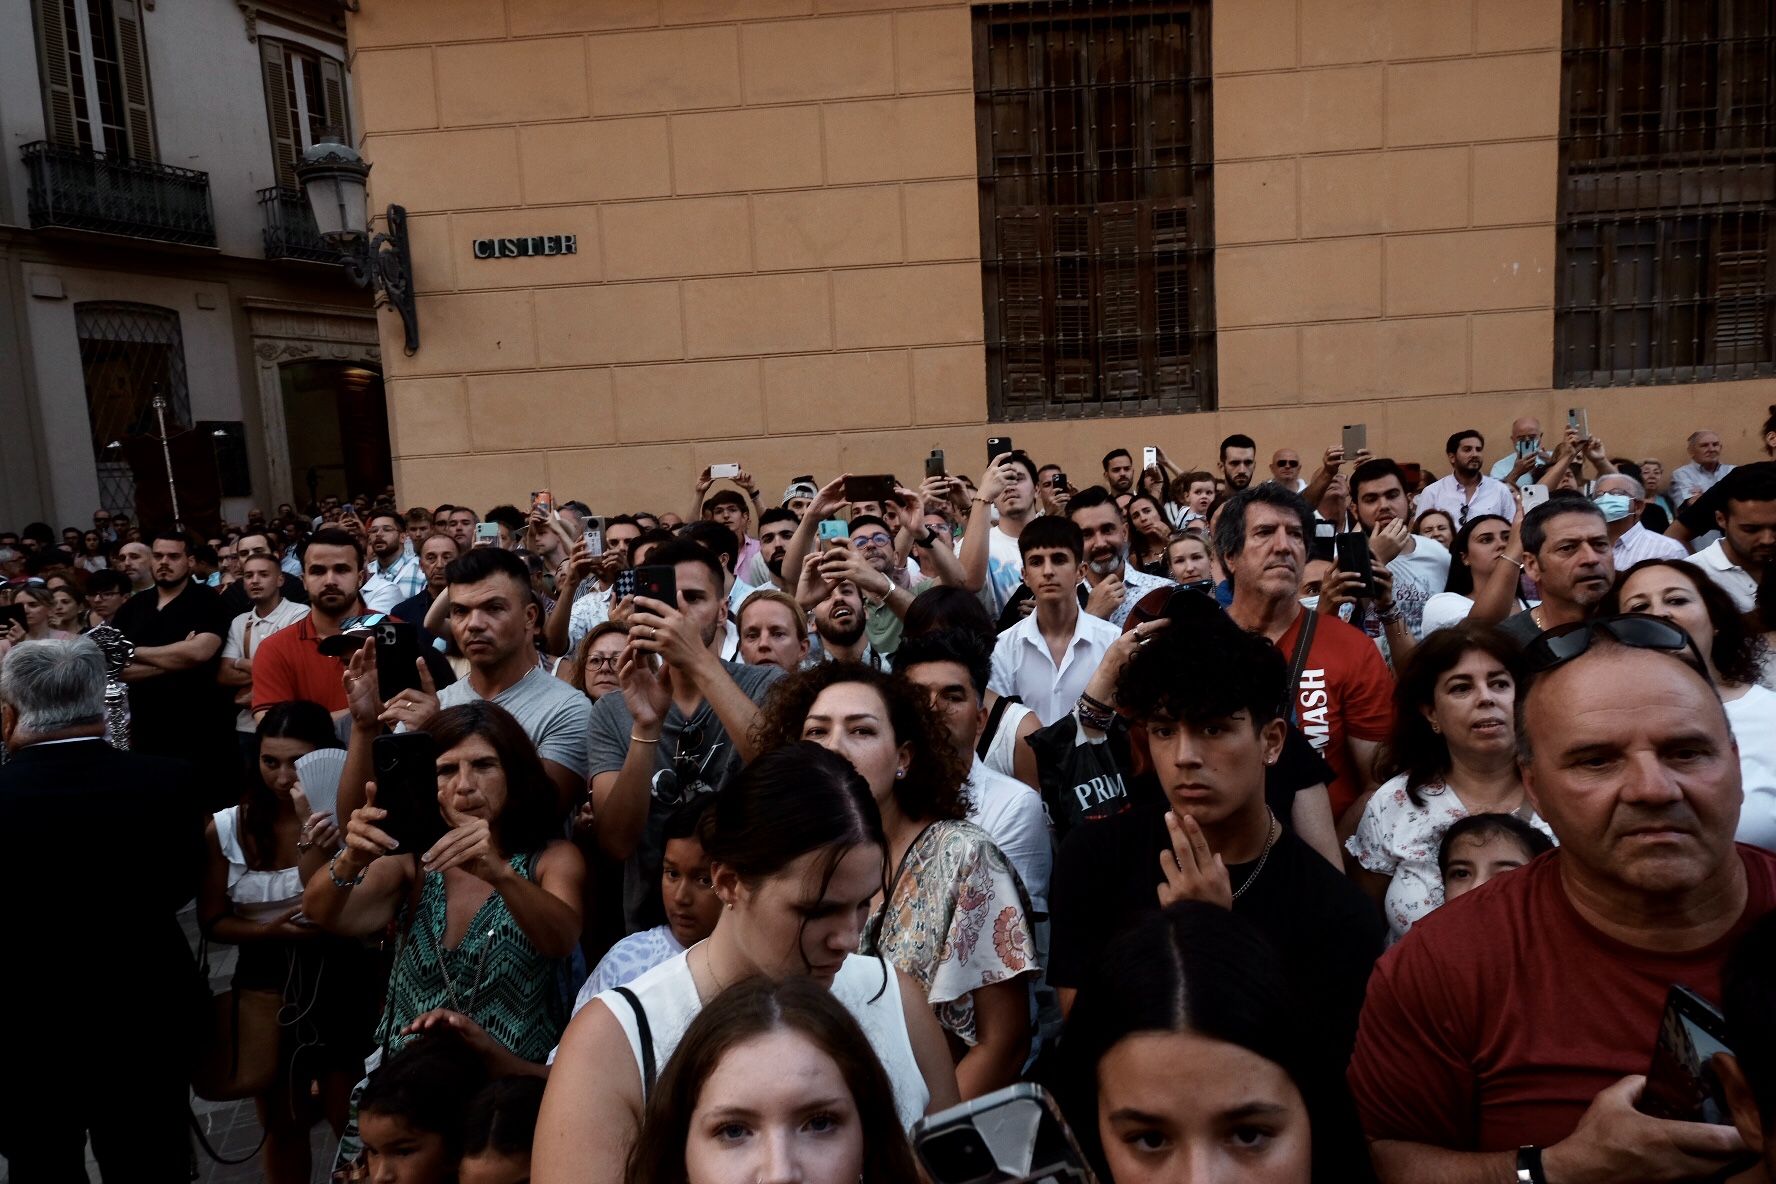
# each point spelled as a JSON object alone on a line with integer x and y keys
{"x": 1615, "y": 506}
{"x": 1310, "y": 603}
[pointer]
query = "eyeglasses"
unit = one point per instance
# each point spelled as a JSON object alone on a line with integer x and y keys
{"x": 870, "y": 540}
{"x": 1563, "y": 643}
{"x": 602, "y": 661}
{"x": 1288, "y": 464}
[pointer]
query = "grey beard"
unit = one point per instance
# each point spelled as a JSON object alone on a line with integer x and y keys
{"x": 1106, "y": 567}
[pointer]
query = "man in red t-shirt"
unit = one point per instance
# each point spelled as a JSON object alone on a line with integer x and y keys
{"x": 1343, "y": 702}
{"x": 290, "y": 664}
{"x": 1505, "y": 1031}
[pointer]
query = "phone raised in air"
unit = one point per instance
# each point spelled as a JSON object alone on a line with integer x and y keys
{"x": 406, "y": 765}
{"x": 1579, "y": 420}
{"x": 1149, "y": 457}
{"x": 997, "y": 446}
{"x": 934, "y": 464}
{"x": 878, "y": 488}
{"x": 1356, "y": 439}
{"x": 657, "y": 582}
{"x": 1682, "y": 1082}
{"x": 1352, "y": 549}
{"x": 397, "y": 655}
{"x": 1010, "y": 1136}
{"x": 595, "y": 535}
{"x": 831, "y": 530}
{"x": 486, "y": 534}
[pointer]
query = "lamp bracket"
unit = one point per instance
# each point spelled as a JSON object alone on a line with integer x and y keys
{"x": 384, "y": 263}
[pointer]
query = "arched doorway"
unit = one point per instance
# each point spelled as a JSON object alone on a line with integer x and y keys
{"x": 336, "y": 428}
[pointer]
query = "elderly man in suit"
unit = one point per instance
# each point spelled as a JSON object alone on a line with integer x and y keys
{"x": 105, "y": 847}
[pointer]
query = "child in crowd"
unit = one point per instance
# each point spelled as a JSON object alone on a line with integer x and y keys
{"x": 498, "y": 1130}
{"x": 1481, "y": 846}
{"x": 410, "y": 1115}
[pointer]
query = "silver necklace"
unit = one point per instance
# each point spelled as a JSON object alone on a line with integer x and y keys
{"x": 1270, "y": 838}
{"x": 475, "y": 985}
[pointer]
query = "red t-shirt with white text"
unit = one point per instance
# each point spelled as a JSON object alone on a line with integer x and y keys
{"x": 1346, "y": 693}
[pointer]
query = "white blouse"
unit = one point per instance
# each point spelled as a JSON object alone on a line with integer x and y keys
{"x": 256, "y": 895}
{"x": 1753, "y": 716}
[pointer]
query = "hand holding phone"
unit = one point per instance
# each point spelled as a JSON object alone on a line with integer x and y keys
{"x": 997, "y": 446}
{"x": 726, "y": 471}
{"x": 487, "y": 534}
{"x": 1014, "y": 1135}
{"x": 1353, "y": 556}
{"x": 1356, "y": 439}
{"x": 1682, "y": 1082}
{"x": 934, "y": 464}
{"x": 406, "y": 765}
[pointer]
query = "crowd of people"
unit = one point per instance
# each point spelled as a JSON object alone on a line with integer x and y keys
{"x": 1344, "y": 823}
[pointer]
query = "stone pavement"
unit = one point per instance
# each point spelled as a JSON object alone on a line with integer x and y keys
{"x": 232, "y": 1128}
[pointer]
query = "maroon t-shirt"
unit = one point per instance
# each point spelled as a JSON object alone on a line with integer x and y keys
{"x": 1499, "y": 1017}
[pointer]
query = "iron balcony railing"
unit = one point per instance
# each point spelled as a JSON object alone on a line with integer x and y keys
{"x": 290, "y": 228}
{"x": 85, "y": 190}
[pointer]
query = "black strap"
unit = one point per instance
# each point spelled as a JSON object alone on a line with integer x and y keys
{"x": 1303, "y": 642}
{"x": 197, "y": 1129}
{"x": 647, "y": 1041}
{"x": 993, "y": 717}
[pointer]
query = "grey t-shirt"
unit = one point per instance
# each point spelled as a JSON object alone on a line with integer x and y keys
{"x": 608, "y": 747}
{"x": 550, "y": 711}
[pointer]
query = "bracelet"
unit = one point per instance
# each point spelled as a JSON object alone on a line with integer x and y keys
{"x": 980, "y": 501}
{"x": 1092, "y": 717}
{"x": 641, "y": 740}
{"x": 1529, "y": 1166}
{"x": 333, "y": 874}
{"x": 1096, "y": 704}
{"x": 1390, "y": 614}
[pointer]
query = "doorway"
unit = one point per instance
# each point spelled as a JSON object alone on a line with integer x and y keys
{"x": 336, "y": 423}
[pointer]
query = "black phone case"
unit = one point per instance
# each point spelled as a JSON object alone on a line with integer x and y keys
{"x": 406, "y": 767}
{"x": 397, "y": 652}
{"x": 658, "y": 582}
{"x": 869, "y": 489}
{"x": 934, "y": 465}
{"x": 997, "y": 447}
{"x": 1353, "y": 555}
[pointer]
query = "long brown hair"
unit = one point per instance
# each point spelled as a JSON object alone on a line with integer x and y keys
{"x": 530, "y": 818}
{"x": 1415, "y": 748}
{"x": 757, "y": 1007}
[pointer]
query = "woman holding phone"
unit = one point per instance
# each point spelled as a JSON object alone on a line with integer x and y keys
{"x": 487, "y": 912}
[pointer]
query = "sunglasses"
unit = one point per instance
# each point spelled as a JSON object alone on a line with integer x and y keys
{"x": 1563, "y": 643}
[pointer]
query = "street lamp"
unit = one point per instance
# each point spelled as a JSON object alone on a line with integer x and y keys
{"x": 332, "y": 176}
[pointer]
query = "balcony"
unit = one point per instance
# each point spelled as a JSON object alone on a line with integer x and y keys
{"x": 290, "y": 229}
{"x": 78, "y": 189}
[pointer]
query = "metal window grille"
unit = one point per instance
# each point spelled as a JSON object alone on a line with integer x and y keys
{"x": 127, "y": 353}
{"x": 1093, "y": 140}
{"x": 1668, "y": 192}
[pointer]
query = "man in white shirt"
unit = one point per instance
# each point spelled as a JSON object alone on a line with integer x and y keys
{"x": 1705, "y": 468}
{"x": 1517, "y": 467}
{"x": 1739, "y": 559}
{"x": 1115, "y": 586}
{"x": 1420, "y": 565}
{"x": 393, "y": 573}
{"x": 1622, "y": 498}
{"x": 1467, "y": 492}
{"x": 263, "y": 579}
{"x": 1047, "y": 658}
{"x": 952, "y": 666}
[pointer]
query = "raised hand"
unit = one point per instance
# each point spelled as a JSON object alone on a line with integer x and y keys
{"x": 1191, "y": 870}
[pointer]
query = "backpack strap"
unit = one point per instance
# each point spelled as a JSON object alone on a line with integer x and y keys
{"x": 647, "y": 1041}
{"x": 992, "y": 729}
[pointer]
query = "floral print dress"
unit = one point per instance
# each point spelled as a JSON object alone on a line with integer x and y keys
{"x": 1396, "y": 838}
{"x": 956, "y": 919}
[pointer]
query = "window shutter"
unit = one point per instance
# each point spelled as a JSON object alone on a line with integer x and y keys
{"x": 336, "y": 119}
{"x": 277, "y": 111}
{"x": 58, "y": 87}
{"x": 132, "y": 65}
{"x": 1742, "y": 298}
{"x": 1022, "y": 299}
{"x": 1119, "y": 301}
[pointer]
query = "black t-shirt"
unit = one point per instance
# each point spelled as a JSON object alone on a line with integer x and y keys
{"x": 168, "y": 710}
{"x": 1521, "y": 627}
{"x": 1329, "y": 934}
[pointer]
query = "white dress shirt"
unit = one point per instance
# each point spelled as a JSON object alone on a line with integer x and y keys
{"x": 1637, "y": 543}
{"x": 1012, "y": 815}
{"x": 1022, "y": 665}
{"x": 1737, "y": 582}
{"x": 1692, "y": 480}
{"x": 1491, "y": 496}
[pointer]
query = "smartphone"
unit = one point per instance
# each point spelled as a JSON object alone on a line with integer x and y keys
{"x": 1009, "y": 1136}
{"x": 723, "y": 471}
{"x": 1356, "y": 439}
{"x": 1579, "y": 419}
{"x": 406, "y": 765}
{"x": 624, "y": 585}
{"x": 595, "y": 535}
{"x": 934, "y": 464}
{"x": 487, "y": 534}
{"x": 1681, "y": 1082}
{"x": 659, "y": 582}
{"x": 869, "y": 489}
{"x": 831, "y": 530}
{"x": 1533, "y": 496}
{"x": 1057, "y": 480}
{"x": 10, "y": 613}
{"x": 397, "y": 649}
{"x": 1149, "y": 457}
{"x": 1353, "y": 556}
{"x": 997, "y": 446}
{"x": 543, "y": 500}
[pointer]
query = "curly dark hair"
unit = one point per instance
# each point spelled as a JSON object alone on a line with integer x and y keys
{"x": 1737, "y": 653}
{"x": 1203, "y": 667}
{"x": 932, "y": 787}
{"x": 1415, "y": 748}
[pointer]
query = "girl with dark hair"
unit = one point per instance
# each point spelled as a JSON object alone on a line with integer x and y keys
{"x": 1263, "y": 1101}
{"x": 955, "y": 916}
{"x": 1485, "y": 542}
{"x": 1148, "y": 533}
{"x": 410, "y": 1114}
{"x": 796, "y": 852}
{"x": 489, "y": 913}
{"x": 1481, "y": 846}
{"x": 773, "y": 1080}
{"x": 498, "y": 1131}
{"x": 1685, "y": 595}
{"x": 251, "y": 898}
{"x": 1453, "y": 752}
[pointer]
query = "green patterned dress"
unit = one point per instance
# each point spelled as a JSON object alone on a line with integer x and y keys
{"x": 495, "y": 976}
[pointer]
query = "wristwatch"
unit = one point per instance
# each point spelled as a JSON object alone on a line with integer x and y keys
{"x": 929, "y": 540}
{"x": 1529, "y": 1166}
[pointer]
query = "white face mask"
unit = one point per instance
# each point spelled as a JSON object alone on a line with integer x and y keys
{"x": 1310, "y": 603}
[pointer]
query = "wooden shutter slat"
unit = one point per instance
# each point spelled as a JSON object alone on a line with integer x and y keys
{"x": 337, "y": 117}
{"x": 58, "y": 85}
{"x": 1742, "y": 300}
{"x": 132, "y": 65}
{"x": 277, "y": 111}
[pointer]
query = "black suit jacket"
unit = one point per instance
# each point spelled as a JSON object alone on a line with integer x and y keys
{"x": 103, "y": 850}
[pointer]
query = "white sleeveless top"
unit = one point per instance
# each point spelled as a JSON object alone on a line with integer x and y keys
{"x": 257, "y": 896}
{"x": 669, "y": 996}
{"x": 1002, "y": 750}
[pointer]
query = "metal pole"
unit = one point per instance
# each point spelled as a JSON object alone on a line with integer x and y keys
{"x": 166, "y": 451}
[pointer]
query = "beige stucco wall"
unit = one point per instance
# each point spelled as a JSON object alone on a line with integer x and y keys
{"x": 779, "y": 251}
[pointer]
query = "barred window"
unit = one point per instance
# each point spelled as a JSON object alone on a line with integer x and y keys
{"x": 1668, "y": 192}
{"x": 1097, "y": 246}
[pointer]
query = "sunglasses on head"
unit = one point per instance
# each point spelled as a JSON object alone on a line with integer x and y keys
{"x": 1563, "y": 643}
